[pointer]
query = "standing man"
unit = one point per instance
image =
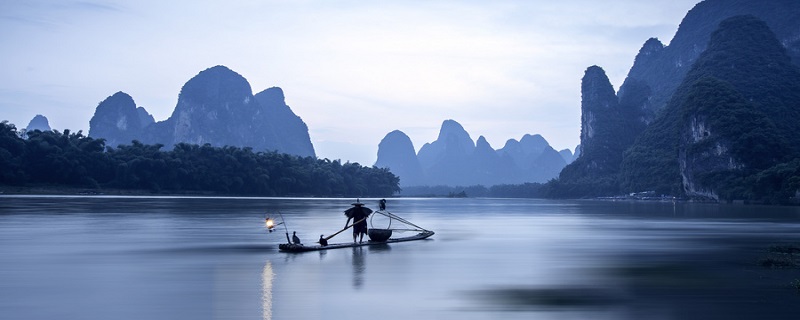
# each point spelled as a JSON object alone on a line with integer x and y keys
{"x": 382, "y": 204}
{"x": 359, "y": 214}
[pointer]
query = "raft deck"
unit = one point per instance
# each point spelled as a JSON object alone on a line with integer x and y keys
{"x": 290, "y": 247}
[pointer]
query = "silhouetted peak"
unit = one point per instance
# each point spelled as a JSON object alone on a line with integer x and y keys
{"x": 218, "y": 70}
{"x": 216, "y": 84}
{"x": 650, "y": 46}
{"x": 393, "y": 139}
{"x": 533, "y": 140}
{"x": 395, "y": 146}
{"x": 451, "y": 127}
{"x": 117, "y": 103}
{"x": 511, "y": 144}
{"x": 145, "y": 118}
{"x": 452, "y": 131}
{"x": 39, "y": 122}
{"x": 594, "y": 72}
{"x": 739, "y": 35}
{"x": 396, "y": 135}
{"x": 482, "y": 143}
{"x": 396, "y": 152}
{"x": 116, "y": 119}
{"x": 272, "y": 95}
{"x": 567, "y": 155}
{"x": 596, "y": 90}
{"x": 119, "y": 98}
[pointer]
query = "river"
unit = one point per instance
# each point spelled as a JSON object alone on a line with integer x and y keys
{"x": 105, "y": 257}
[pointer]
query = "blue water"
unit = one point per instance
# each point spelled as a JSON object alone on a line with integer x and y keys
{"x": 212, "y": 258}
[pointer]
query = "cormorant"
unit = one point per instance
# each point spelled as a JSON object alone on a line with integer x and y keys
{"x": 322, "y": 241}
{"x": 295, "y": 239}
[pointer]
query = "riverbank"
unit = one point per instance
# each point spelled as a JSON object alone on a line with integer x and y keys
{"x": 61, "y": 190}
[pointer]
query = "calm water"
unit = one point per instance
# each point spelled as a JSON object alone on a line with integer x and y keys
{"x": 211, "y": 258}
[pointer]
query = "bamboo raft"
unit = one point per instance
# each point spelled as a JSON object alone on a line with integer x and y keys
{"x": 291, "y": 247}
{"x": 376, "y": 235}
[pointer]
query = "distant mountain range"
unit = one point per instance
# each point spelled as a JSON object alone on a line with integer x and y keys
{"x": 714, "y": 115}
{"x": 454, "y": 159}
{"x": 217, "y": 107}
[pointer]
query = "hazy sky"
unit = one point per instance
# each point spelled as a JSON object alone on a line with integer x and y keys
{"x": 353, "y": 70}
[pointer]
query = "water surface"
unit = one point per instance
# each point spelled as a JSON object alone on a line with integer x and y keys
{"x": 211, "y": 258}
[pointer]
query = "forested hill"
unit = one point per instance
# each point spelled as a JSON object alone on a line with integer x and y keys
{"x": 730, "y": 130}
{"x": 728, "y": 133}
{"x": 65, "y": 159}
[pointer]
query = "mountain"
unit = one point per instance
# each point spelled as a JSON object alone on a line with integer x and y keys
{"x": 118, "y": 121}
{"x": 448, "y": 159}
{"x": 490, "y": 167}
{"x": 289, "y": 131}
{"x": 39, "y": 122}
{"x": 546, "y": 166}
{"x": 607, "y": 129}
{"x": 396, "y": 152}
{"x": 533, "y": 159}
{"x": 524, "y": 150}
{"x": 454, "y": 159}
{"x": 658, "y": 70}
{"x": 217, "y": 106}
{"x": 577, "y": 153}
{"x": 453, "y": 142}
{"x": 567, "y": 155}
{"x": 653, "y": 82}
{"x": 145, "y": 119}
{"x": 735, "y": 114}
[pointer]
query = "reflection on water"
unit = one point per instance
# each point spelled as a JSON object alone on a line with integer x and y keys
{"x": 266, "y": 291}
{"x": 359, "y": 266}
{"x": 210, "y": 258}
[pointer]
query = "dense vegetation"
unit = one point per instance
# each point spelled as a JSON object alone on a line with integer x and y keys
{"x": 743, "y": 93}
{"x": 745, "y": 89}
{"x": 53, "y": 158}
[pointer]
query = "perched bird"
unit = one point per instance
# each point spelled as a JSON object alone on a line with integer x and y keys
{"x": 295, "y": 239}
{"x": 322, "y": 241}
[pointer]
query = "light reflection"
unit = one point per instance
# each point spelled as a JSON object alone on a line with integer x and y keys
{"x": 266, "y": 291}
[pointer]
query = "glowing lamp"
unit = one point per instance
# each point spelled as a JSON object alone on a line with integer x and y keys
{"x": 270, "y": 224}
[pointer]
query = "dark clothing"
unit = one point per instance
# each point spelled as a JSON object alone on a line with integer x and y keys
{"x": 382, "y": 204}
{"x": 358, "y": 213}
{"x": 360, "y": 227}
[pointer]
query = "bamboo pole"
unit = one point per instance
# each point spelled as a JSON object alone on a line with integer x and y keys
{"x": 345, "y": 228}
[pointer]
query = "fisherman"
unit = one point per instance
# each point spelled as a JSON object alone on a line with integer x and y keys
{"x": 382, "y": 204}
{"x": 359, "y": 214}
{"x": 295, "y": 238}
{"x": 322, "y": 241}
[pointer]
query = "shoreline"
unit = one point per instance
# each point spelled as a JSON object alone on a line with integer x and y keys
{"x": 46, "y": 190}
{"x": 72, "y": 191}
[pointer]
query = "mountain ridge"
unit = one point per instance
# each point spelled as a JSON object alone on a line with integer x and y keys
{"x": 216, "y": 106}
{"x": 454, "y": 159}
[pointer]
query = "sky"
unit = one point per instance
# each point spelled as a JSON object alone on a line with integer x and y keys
{"x": 352, "y": 70}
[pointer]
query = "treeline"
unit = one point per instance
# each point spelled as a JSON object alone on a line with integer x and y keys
{"x": 526, "y": 190}
{"x": 68, "y": 159}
